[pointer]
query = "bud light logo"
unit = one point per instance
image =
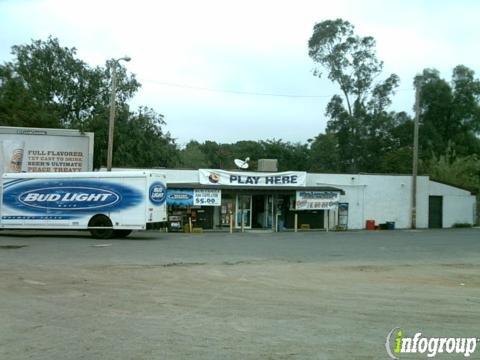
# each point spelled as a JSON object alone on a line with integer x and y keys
{"x": 158, "y": 193}
{"x": 73, "y": 198}
{"x": 79, "y": 196}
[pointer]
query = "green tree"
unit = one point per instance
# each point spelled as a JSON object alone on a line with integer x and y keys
{"x": 350, "y": 61}
{"x": 450, "y": 112}
{"x": 243, "y": 149}
{"x": 18, "y": 106}
{"x": 141, "y": 142}
{"x": 291, "y": 156}
{"x": 399, "y": 158}
{"x": 466, "y": 99}
{"x": 462, "y": 171}
{"x": 60, "y": 82}
{"x": 193, "y": 157}
{"x": 324, "y": 155}
{"x": 47, "y": 85}
{"x": 219, "y": 156}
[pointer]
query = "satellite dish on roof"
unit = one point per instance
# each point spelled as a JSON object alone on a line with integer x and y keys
{"x": 242, "y": 164}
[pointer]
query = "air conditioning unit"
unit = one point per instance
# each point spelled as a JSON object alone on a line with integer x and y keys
{"x": 268, "y": 165}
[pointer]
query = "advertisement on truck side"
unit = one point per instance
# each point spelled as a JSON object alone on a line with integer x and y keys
{"x": 119, "y": 201}
{"x": 45, "y": 150}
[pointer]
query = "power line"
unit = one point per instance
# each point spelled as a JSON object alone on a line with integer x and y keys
{"x": 236, "y": 92}
{"x": 249, "y": 93}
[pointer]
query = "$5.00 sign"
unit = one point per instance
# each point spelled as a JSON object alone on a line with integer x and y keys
{"x": 207, "y": 197}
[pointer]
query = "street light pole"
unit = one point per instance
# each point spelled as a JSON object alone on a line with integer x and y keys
{"x": 111, "y": 123}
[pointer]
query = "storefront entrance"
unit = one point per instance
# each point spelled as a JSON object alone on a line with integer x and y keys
{"x": 262, "y": 211}
{"x": 270, "y": 208}
{"x": 257, "y": 211}
{"x": 243, "y": 210}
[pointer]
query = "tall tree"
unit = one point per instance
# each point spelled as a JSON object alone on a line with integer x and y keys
{"x": 350, "y": 61}
{"x": 399, "y": 158}
{"x": 450, "y": 112}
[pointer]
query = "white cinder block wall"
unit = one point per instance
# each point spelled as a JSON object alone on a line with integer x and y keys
{"x": 378, "y": 197}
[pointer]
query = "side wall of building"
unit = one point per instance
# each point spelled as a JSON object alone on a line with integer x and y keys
{"x": 383, "y": 198}
{"x": 389, "y": 199}
{"x": 459, "y": 206}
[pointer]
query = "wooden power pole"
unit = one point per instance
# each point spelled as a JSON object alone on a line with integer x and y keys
{"x": 415, "y": 155}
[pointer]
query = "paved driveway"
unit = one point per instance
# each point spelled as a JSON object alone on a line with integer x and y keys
{"x": 241, "y": 296}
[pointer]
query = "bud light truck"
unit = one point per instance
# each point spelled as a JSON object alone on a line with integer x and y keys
{"x": 108, "y": 204}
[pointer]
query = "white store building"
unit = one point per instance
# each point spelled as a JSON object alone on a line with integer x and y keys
{"x": 216, "y": 199}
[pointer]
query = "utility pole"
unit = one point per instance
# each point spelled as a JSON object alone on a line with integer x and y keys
{"x": 111, "y": 122}
{"x": 415, "y": 154}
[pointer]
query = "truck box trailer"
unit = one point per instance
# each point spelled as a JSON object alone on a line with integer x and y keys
{"x": 108, "y": 204}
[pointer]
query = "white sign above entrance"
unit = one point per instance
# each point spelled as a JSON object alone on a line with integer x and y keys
{"x": 316, "y": 200}
{"x": 243, "y": 178}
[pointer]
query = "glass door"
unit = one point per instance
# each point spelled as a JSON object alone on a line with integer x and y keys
{"x": 227, "y": 210}
{"x": 244, "y": 212}
{"x": 269, "y": 211}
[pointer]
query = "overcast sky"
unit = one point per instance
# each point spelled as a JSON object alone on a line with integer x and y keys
{"x": 247, "y": 46}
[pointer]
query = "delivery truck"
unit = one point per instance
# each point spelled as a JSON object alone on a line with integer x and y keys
{"x": 108, "y": 204}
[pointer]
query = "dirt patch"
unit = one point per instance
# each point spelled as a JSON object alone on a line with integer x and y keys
{"x": 461, "y": 266}
{"x": 10, "y": 247}
{"x": 216, "y": 311}
{"x": 183, "y": 264}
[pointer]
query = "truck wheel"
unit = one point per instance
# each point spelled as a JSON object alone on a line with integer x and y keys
{"x": 101, "y": 221}
{"x": 121, "y": 233}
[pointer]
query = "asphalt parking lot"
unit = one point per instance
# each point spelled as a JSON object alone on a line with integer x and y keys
{"x": 311, "y": 295}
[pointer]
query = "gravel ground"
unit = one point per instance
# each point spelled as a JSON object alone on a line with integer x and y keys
{"x": 311, "y": 295}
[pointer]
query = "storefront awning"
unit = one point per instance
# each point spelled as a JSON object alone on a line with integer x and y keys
{"x": 254, "y": 188}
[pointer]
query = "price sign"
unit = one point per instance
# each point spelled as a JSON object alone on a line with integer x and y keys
{"x": 316, "y": 200}
{"x": 207, "y": 197}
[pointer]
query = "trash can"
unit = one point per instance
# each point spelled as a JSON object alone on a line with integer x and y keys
{"x": 390, "y": 225}
{"x": 370, "y": 224}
